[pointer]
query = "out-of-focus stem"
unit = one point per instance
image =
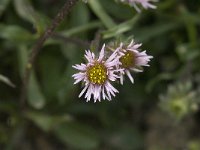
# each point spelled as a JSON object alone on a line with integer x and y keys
{"x": 64, "y": 11}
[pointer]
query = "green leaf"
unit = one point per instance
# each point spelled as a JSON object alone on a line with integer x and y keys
{"x": 3, "y": 5}
{"x": 82, "y": 28}
{"x": 45, "y": 121}
{"x": 7, "y": 81}
{"x": 50, "y": 78}
{"x": 100, "y": 12}
{"x": 35, "y": 96}
{"x": 190, "y": 25}
{"x": 74, "y": 56}
{"x": 147, "y": 33}
{"x": 125, "y": 137}
{"x": 121, "y": 28}
{"x": 80, "y": 15}
{"x": 77, "y": 135}
{"x": 15, "y": 34}
{"x": 25, "y": 10}
{"x": 126, "y": 12}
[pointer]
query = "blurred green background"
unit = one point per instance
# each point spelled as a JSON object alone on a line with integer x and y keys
{"x": 159, "y": 112}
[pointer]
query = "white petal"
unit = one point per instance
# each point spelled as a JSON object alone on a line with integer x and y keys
{"x": 112, "y": 88}
{"x": 121, "y": 79}
{"x": 132, "y": 43}
{"x": 112, "y": 56}
{"x": 136, "y": 70}
{"x": 101, "y": 55}
{"x": 84, "y": 89}
{"x": 78, "y": 77}
{"x": 81, "y": 67}
{"x": 108, "y": 92}
{"x": 89, "y": 92}
{"x": 89, "y": 56}
{"x": 114, "y": 62}
{"x": 96, "y": 92}
{"x": 129, "y": 75}
{"x": 136, "y": 7}
{"x": 103, "y": 93}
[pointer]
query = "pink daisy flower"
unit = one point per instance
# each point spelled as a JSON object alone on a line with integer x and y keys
{"x": 145, "y": 3}
{"x": 132, "y": 59}
{"x": 97, "y": 74}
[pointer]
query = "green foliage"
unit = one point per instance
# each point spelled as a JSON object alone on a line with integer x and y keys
{"x": 180, "y": 100}
{"x": 54, "y": 116}
{"x": 6, "y": 80}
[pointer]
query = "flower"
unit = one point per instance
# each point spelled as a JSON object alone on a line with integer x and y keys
{"x": 145, "y": 3}
{"x": 180, "y": 100}
{"x": 132, "y": 59}
{"x": 97, "y": 74}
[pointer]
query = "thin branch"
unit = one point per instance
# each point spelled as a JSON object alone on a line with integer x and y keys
{"x": 64, "y": 11}
{"x": 76, "y": 41}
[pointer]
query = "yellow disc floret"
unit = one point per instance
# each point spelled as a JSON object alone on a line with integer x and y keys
{"x": 97, "y": 74}
{"x": 128, "y": 59}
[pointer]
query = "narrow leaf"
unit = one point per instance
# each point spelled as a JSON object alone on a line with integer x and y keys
{"x": 35, "y": 96}
{"x": 3, "y": 5}
{"x": 25, "y": 10}
{"x": 7, "y": 81}
{"x": 121, "y": 28}
{"x": 77, "y": 135}
{"x": 100, "y": 12}
{"x": 15, "y": 34}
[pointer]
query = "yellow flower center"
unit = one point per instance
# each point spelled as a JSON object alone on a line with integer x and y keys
{"x": 97, "y": 74}
{"x": 128, "y": 60}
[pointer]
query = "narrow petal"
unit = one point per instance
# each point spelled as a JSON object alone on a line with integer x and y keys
{"x": 78, "y": 77}
{"x": 129, "y": 75}
{"x": 108, "y": 92}
{"x": 101, "y": 55}
{"x": 112, "y": 88}
{"x": 136, "y": 70}
{"x": 89, "y": 56}
{"x": 121, "y": 79}
{"x": 89, "y": 93}
{"x": 103, "y": 93}
{"x": 81, "y": 67}
{"x": 84, "y": 89}
{"x": 92, "y": 90}
{"x": 112, "y": 56}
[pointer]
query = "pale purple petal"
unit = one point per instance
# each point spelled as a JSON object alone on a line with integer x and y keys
{"x": 143, "y": 59}
{"x": 89, "y": 56}
{"x": 84, "y": 89}
{"x": 103, "y": 93}
{"x": 101, "y": 55}
{"x": 89, "y": 92}
{"x": 112, "y": 57}
{"x": 81, "y": 67}
{"x": 145, "y": 4}
{"x": 98, "y": 91}
{"x": 140, "y": 59}
{"x": 112, "y": 88}
{"x": 78, "y": 77}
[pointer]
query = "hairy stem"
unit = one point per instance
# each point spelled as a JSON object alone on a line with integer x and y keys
{"x": 64, "y": 11}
